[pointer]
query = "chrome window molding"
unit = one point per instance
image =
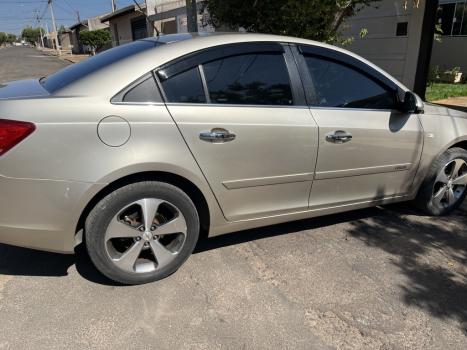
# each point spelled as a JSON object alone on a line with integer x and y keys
{"x": 139, "y": 103}
{"x": 234, "y": 105}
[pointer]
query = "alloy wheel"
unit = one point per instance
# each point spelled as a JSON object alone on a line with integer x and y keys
{"x": 450, "y": 184}
{"x": 145, "y": 236}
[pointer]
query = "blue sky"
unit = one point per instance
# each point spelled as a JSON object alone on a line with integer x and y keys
{"x": 17, "y": 14}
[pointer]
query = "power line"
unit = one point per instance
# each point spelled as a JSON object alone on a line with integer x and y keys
{"x": 24, "y": 2}
{"x": 71, "y": 7}
{"x": 64, "y": 9}
{"x": 33, "y": 18}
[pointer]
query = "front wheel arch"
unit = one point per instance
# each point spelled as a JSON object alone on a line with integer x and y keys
{"x": 423, "y": 199}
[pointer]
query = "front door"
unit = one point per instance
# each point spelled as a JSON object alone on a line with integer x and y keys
{"x": 255, "y": 146}
{"x": 368, "y": 150}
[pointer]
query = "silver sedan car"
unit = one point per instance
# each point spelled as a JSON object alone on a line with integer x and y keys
{"x": 141, "y": 150}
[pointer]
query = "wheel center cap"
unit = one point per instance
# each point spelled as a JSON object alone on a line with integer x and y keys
{"x": 147, "y": 236}
{"x": 450, "y": 183}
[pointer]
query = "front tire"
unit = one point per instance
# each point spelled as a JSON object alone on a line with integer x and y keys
{"x": 142, "y": 232}
{"x": 445, "y": 186}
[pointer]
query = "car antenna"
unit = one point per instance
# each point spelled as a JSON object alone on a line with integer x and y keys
{"x": 147, "y": 19}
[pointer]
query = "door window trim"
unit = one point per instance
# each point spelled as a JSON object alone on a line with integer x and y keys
{"x": 302, "y": 51}
{"x": 198, "y": 58}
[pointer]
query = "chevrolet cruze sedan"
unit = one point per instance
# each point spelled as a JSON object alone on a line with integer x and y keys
{"x": 144, "y": 148}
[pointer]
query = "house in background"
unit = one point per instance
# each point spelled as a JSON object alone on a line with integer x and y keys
{"x": 168, "y": 16}
{"x": 92, "y": 23}
{"x": 127, "y": 24}
{"x": 64, "y": 37}
{"x": 394, "y": 39}
{"x": 451, "y": 51}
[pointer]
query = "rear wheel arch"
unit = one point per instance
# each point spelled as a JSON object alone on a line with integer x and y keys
{"x": 461, "y": 144}
{"x": 195, "y": 194}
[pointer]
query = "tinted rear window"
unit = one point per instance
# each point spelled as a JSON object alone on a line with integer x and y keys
{"x": 80, "y": 70}
{"x": 258, "y": 79}
{"x": 185, "y": 87}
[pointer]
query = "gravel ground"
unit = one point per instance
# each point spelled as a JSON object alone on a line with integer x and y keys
{"x": 379, "y": 278}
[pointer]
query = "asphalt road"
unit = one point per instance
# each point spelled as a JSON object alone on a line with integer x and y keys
{"x": 380, "y": 278}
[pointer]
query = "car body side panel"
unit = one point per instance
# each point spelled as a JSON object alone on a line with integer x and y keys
{"x": 41, "y": 214}
{"x": 379, "y": 161}
{"x": 66, "y": 148}
{"x": 267, "y": 169}
{"x": 442, "y": 128}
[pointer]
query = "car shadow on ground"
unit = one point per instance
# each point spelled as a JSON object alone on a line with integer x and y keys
{"x": 431, "y": 255}
{"x": 17, "y": 261}
{"x": 439, "y": 288}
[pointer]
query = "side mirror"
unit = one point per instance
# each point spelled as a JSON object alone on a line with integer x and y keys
{"x": 412, "y": 103}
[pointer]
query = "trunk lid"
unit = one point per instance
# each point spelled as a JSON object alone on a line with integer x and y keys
{"x": 22, "y": 89}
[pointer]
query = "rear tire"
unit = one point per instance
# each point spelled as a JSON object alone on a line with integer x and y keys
{"x": 142, "y": 232}
{"x": 445, "y": 186}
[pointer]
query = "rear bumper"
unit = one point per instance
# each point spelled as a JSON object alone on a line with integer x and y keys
{"x": 42, "y": 214}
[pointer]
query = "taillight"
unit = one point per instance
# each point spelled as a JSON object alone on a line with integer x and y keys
{"x": 13, "y": 132}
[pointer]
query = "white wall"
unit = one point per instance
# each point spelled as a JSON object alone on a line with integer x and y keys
{"x": 397, "y": 55}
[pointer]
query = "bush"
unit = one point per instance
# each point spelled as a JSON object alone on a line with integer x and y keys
{"x": 95, "y": 39}
{"x": 453, "y": 75}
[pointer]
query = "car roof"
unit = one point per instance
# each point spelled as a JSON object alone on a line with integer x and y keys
{"x": 109, "y": 81}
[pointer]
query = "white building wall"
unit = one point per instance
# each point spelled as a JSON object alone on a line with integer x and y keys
{"x": 396, "y": 54}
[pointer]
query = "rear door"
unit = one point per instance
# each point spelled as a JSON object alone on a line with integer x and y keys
{"x": 368, "y": 149}
{"x": 246, "y": 122}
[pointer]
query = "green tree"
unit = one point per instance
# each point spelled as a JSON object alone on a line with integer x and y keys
{"x": 11, "y": 38}
{"x": 96, "y": 39}
{"x": 31, "y": 35}
{"x": 3, "y": 38}
{"x": 312, "y": 19}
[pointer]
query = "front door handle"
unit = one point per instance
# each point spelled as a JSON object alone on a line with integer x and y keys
{"x": 217, "y": 135}
{"x": 338, "y": 136}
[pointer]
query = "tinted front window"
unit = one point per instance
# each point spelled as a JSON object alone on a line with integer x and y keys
{"x": 185, "y": 87}
{"x": 80, "y": 70}
{"x": 337, "y": 85}
{"x": 259, "y": 79}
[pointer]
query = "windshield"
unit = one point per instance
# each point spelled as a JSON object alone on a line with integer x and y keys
{"x": 80, "y": 70}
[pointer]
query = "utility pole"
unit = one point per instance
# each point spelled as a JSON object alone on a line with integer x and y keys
{"x": 42, "y": 37}
{"x": 150, "y": 11}
{"x": 191, "y": 16}
{"x": 40, "y": 28}
{"x": 54, "y": 25}
{"x": 113, "y": 6}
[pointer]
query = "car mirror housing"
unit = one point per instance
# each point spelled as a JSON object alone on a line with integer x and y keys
{"x": 412, "y": 103}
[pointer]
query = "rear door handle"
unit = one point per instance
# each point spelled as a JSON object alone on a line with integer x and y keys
{"x": 338, "y": 136}
{"x": 217, "y": 135}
